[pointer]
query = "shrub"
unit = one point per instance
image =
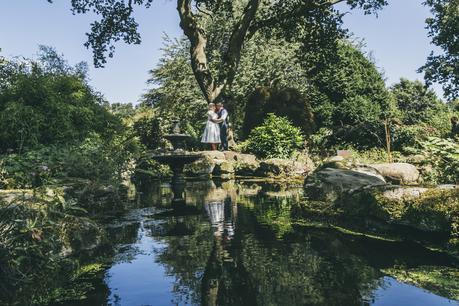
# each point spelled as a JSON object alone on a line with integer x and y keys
{"x": 148, "y": 128}
{"x": 275, "y": 138}
{"x": 94, "y": 159}
{"x": 442, "y": 155}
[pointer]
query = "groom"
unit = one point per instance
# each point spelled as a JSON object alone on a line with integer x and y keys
{"x": 223, "y": 122}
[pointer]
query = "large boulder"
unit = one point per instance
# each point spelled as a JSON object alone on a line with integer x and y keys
{"x": 400, "y": 173}
{"x": 330, "y": 184}
{"x": 283, "y": 167}
{"x": 427, "y": 209}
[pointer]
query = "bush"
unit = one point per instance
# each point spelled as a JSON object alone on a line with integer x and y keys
{"x": 94, "y": 159}
{"x": 148, "y": 128}
{"x": 442, "y": 156}
{"x": 275, "y": 138}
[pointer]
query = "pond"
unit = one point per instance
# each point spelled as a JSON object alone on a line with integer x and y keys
{"x": 235, "y": 243}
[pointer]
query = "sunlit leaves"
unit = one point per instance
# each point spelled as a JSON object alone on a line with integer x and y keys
{"x": 443, "y": 28}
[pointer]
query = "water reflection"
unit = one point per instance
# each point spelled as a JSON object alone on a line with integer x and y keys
{"x": 236, "y": 243}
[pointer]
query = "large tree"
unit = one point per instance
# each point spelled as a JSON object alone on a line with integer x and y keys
{"x": 299, "y": 19}
{"x": 443, "y": 28}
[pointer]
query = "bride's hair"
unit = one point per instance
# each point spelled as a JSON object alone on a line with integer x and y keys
{"x": 210, "y": 106}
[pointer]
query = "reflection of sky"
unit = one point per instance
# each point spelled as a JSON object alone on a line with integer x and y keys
{"x": 140, "y": 281}
{"x": 394, "y": 293}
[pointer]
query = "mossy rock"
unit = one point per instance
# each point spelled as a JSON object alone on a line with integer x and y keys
{"x": 426, "y": 209}
{"x": 202, "y": 167}
{"x": 330, "y": 184}
{"x": 224, "y": 167}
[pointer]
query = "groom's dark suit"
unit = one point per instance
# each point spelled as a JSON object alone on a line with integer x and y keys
{"x": 223, "y": 114}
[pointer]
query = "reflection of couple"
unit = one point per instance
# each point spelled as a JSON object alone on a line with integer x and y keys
{"x": 216, "y": 131}
{"x": 222, "y": 211}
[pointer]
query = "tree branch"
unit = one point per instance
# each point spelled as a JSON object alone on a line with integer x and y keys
{"x": 198, "y": 41}
{"x": 240, "y": 31}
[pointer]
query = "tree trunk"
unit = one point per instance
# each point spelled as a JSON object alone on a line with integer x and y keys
{"x": 211, "y": 87}
{"x": 198, "y": 40}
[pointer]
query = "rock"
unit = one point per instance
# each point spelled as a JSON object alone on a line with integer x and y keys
{"x": 334, "y": 159}
{"x": 12, "y": 196}
{"x": 224, "y": 170}
{"x": 247, "y": 167}
{"x": 329, "y": 184}
{"x": 84, "y": 235}
{"x": 400, "y": 173}
{"x": 97, "y": 199}
{"x": 282, "y": 167}
{"x": 246, "y": 158}
{"x": 214, "y": 154}
{"x": 202, "y": 167}
{"x": 427, "y": 209}
{"x": 244, "y": 164}
{"x": 336, "y": 162}
{"x": 231, "y": 156}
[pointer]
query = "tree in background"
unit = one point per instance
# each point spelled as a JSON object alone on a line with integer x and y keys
{"x": 347, "y": 95}
{"x": 47, "y": 102}
{"x": 313, "y": 23}
{"x": 349, "y": 98}
{"x": 420, "y": 114}
{"x": 416, "y": 102}
{"x": 444, "y": 30}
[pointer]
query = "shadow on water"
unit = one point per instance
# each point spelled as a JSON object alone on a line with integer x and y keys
{"x": 236, "y": 243}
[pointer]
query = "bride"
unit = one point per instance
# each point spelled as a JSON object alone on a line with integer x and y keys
{"x": 212, "y": 131}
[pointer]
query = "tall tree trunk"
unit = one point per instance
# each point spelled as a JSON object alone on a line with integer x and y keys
{"x": 198, "y": 42}
{"x": 212, "y": 88}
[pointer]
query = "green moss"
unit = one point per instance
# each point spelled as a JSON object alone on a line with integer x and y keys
{"x": 439, "y": 280}
{"x": 435, "y": 210}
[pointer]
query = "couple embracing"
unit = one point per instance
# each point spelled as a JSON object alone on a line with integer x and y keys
{"x": 216, "y": 131}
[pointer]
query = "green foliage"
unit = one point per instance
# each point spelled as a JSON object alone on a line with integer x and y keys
{"x": 49, "y": 102}
{"x": 148, "y": 128}
{"x": 443, "y": 281}
{"x": 349, "y": 97}
{"x": 416, "y": 103}
{"x": 288, "y": 102}
{"x": 33, "y": 233}
{"x": 275, "y": 138}
{"x": 443, "y": 156}
{"x": 443, "y": 28}
{"x": 94, "y": 159}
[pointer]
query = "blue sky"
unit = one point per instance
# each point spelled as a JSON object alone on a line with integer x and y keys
{"x": 397, "y": 40}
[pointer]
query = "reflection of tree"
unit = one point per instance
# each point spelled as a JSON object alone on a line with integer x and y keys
{"x": 295, "y": 270}
{"x": 265, "y": 262}
{"x": 188, "y": 244}
{"x": 301, "y": 269}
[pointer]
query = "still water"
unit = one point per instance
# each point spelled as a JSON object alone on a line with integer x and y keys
{"x": 235, "y": 243}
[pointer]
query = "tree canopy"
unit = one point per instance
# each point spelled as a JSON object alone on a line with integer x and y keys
{"x": 443, "y": 28}
{"x": 309, "y": 22}
{"x": 35, "y": 93}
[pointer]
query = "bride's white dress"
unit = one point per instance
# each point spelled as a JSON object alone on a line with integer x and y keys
{"x": 212, "y": 130}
